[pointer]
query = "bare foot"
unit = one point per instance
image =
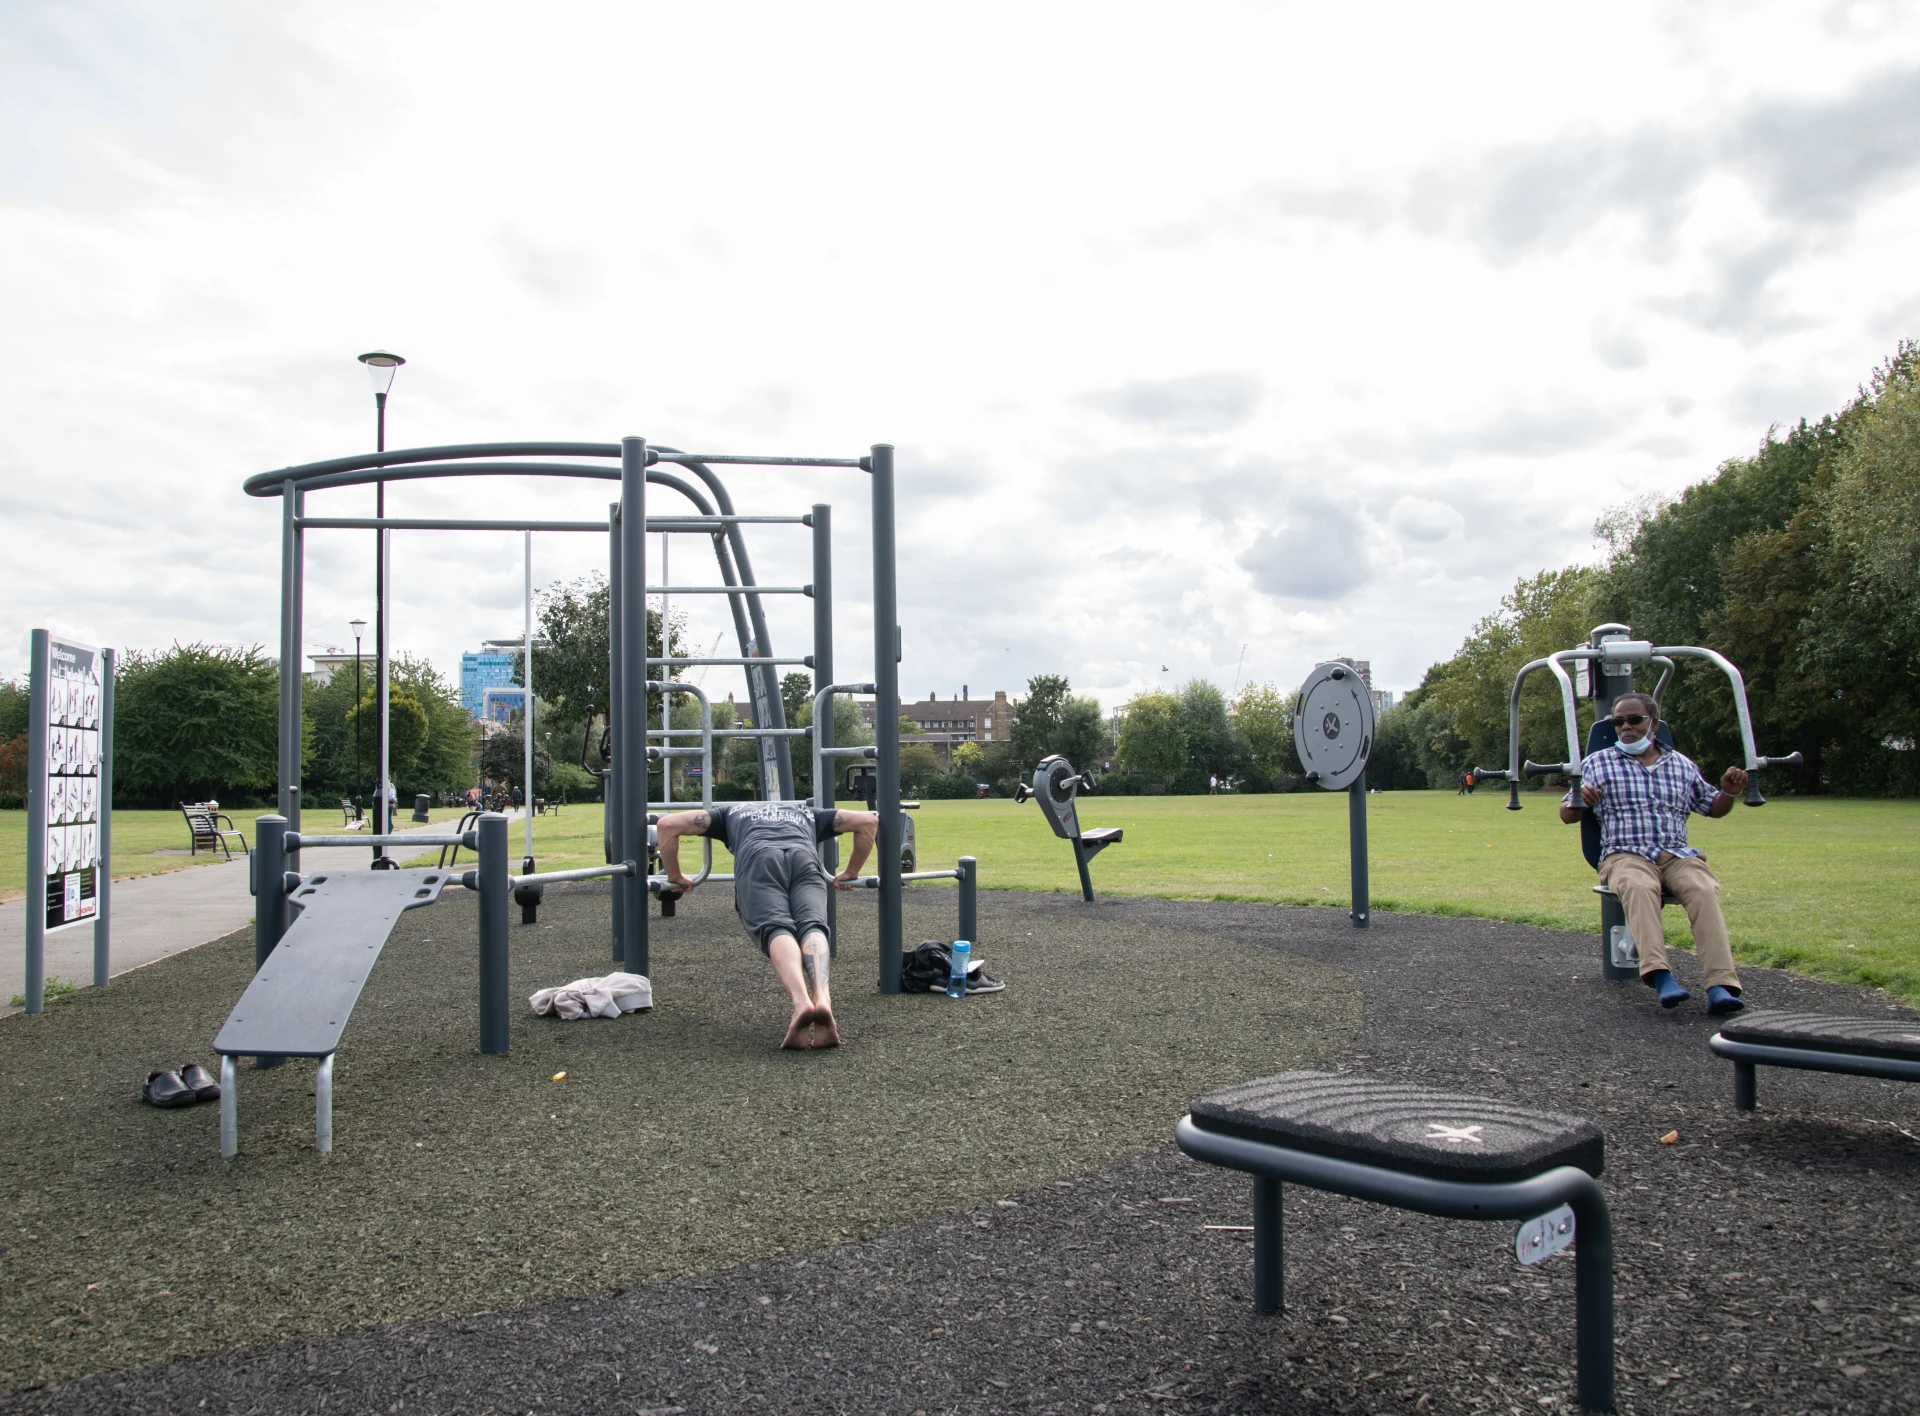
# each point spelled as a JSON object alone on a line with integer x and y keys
{"x": 811, "y": 1027}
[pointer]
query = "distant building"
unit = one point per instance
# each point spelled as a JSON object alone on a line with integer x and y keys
{"x": 960, "y": 719}
{"x": 490, "y": 666}
{"x": 1362, "y": 667}
{"x": 1382, "y": 700}
{"x": 327, "y": 664}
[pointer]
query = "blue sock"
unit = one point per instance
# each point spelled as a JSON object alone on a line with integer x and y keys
{"x": 1722, "y": 1000}
{"x": 1662, "y": 982}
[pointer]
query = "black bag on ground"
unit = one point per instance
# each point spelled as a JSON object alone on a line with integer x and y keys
{"x": 925, "y": 969}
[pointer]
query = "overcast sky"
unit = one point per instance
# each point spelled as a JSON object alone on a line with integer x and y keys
{"x": 1299, "y": 328}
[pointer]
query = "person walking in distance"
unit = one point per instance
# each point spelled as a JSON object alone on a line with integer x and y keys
{"x": 1642, "y": 794}
{"x": 780, "y": 891}
{"x": 1213, "y": 784}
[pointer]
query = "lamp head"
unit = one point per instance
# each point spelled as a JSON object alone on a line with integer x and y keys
{"x": 357, "y": 626}
{"x": 381, "y": 367}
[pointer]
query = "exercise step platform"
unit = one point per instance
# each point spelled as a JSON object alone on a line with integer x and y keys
{"x": 1101, "y": 836}
{"x": 1816, "y": 1042}
{"x": 298, "y": 1003}
{"x": 1439, "y": 1153}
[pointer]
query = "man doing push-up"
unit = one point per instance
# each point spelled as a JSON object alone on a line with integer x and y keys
{"x": 780, "y": 890}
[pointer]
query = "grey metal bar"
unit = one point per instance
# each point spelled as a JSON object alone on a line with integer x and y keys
{"x": 270, "y": 837}
{"x": 298, "y": 841}
{"x": 725, "y": 663}
{"x": 730, "y": 590}
{"x": 103, "y": 867}
{"x": 689, "y": 459}
{"x": 1813, "y": 1059}
{"x": 867, "y": 751}
{"x": 435, "y": 523}
{"x": 1357, "y": 850}
{"x": 821, "y": 519}
{"x": 1080, "y": 859}
{"x": 588, "y": 872}
{"x": 886, "y": 715}
{"x": 733, "y": 732}
{"x": 40, "y": 667}
{"x": 388, "y": 463}
{"x": 229, "y": 1111}
{"x": 289, "y": 726}
{"x": 322, "y": 1106}
{"x": 1269, "y": 1246}
{"x": 969, "y": 873}
{"x": 299, "y": 617}
{"x": 493, "y": 932}
{"x": 632, "y": 762}
{"x": 613, "y": 828}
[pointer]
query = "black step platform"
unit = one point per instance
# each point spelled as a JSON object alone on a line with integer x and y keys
{"x": 1440, "y": 1153}
{"x": 1405, "y": 1128}
{"x": 1816, "y": 1042}
{"x": 1103, "y": 836}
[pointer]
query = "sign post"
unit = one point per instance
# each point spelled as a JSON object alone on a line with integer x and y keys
{"x": 69, "y": 781}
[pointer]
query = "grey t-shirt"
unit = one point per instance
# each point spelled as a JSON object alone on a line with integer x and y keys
{"x": 745, "y": 826}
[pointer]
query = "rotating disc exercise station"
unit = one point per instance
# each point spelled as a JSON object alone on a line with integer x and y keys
{"x": 317, "y": 934}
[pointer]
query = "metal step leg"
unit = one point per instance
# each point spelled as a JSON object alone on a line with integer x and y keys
{"x": 229, "y": 1111}
{"x": 323, "y": 1106}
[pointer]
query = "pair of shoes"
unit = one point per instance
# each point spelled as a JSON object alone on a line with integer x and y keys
{"x": 1722, "y": 1000}
{"x": 182, "y": 1088}
{"x": 1662, "y": 982}
{"x": 980, "y": 981}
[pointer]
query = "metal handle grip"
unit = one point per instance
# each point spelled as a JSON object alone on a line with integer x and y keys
{"x": 1490, "y": 774}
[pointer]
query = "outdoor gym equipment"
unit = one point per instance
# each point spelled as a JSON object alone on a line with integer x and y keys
{"x": 1460, "y": 1157}
{"x": 1607, "y": 662}
{"x": 1333, "y": 733}
{"x": 635, "y": 747}
{"x": 1813, "y": 1042}
{"x": 862, "y": 783}
{"x": 1055, "y": 785}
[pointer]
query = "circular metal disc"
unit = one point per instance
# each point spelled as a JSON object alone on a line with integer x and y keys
{"x": 1333, "y": 726}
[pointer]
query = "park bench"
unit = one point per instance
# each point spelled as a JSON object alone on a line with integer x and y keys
{"x": 204, "y": 824}
{"x": 350, "y": 817}
{"x": 1460, "y": 1157}
{"x": 300, "y": 999}
{"x": 1815, "y": 1042}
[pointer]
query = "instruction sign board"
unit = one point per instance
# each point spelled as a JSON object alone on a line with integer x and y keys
{"x": 70, "y": 806}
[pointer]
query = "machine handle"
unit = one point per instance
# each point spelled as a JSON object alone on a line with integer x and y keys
{"x": 1021, "y": 792}
{"x": 1547, "y": 769}
{"x": 1490, "y": 774}
{"x": 1792, "y": 759}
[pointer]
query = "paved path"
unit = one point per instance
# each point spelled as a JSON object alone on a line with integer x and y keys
{"x": 158, "y": 915}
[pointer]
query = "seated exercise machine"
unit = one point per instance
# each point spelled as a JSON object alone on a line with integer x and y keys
{"x": 1055, "y": 785}
{"x": 1333, "y": 734}
{"x": 1606, "y": 662}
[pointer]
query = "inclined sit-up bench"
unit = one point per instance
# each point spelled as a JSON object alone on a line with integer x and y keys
{"x": 1462, "y": 1157}
{"x": 1813, "y": 1042}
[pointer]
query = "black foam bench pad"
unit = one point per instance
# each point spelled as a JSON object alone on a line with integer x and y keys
{"x": 1103, "y": 836}
{"x": 299, "y": 1001}
{"x": 1396, "y": 1127}
{"x": 1866, "y": 1037}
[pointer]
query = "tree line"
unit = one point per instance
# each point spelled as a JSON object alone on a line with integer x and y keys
{"x": 1800, "y": 563}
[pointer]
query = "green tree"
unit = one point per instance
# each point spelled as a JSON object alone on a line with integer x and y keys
{"x": 796, "y": 696}
{"x": 1262, "y": 716}
{"x": 1213, "y": 748}
{"x": 1153, "y": 738}
{"x": 503, "y": 758}
{"x": 572, "y": 650}
{"x": 196, "y": 721}
{"x": 919, "y": 765}
{"x": 1036, "y": 720}
{"x": 406, "y": 731}
{"x": 14, "y": 707}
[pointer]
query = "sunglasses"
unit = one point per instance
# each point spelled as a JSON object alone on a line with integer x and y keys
{"x": 1629, "y": 720}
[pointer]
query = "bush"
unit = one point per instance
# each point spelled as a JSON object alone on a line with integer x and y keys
{"x": 1191, "y": 782}
{"x": 734, "y": 791}
{"x": 573, "y": 780}
{"x": 951, "y": 786}
{"x": 1125, "y": 784}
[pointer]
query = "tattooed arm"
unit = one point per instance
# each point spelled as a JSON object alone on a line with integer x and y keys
{"x": 865, "y": 826}
{"x": 667, "y": 835}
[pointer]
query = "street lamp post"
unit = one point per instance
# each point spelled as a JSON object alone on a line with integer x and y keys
{"x": 381, "y": 367}
{"x": 358, "y": 627}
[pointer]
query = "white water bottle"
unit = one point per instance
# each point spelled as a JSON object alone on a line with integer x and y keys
{"x": 962, "y": 952}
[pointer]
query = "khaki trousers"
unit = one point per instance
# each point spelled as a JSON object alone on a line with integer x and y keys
{"x": 1637, "y": 882}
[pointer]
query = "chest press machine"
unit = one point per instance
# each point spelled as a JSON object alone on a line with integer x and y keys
{"x": 1607, "y": 662}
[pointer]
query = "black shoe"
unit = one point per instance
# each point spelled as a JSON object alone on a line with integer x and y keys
{"x": 203, "y": 1086}
{"x": 980, "y": 981}
{"x": 166, "y": 1089}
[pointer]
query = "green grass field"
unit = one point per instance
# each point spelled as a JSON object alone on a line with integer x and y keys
{"x": 1826, "y": 887}
{"x": 144, "y": 842}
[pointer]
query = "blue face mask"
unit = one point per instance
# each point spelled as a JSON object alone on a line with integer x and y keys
{"x": 1633, "y": 747}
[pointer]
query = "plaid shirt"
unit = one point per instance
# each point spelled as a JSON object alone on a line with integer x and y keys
{"x": 1644, "y": 809}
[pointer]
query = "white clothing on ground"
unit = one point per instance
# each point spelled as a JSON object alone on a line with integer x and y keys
{"x": 606, "y": 997}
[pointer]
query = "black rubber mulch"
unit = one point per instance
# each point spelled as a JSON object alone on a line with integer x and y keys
{"x": 1765, "y": 1262}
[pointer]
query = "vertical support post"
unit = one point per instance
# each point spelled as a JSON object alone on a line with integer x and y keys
{"x": 269, "y": 886}
{"x": 1086, "y": 876}
{"x": 299, "y": 640}
{"x": 1357, "y": 848}
{"x": 1269, "y": 1246}
{"x": 1593, "y": 1300}
{"x": 323, "y": 1106}
{"x": 103, "y": 866}
{"x": 493, "y": 932}
{"x": 1746, "y": 1087}
{"x": 886, "y": 714}
{"x": 631, "y": 761}
{"x": 289, "y": 796}
{"x": 40, "y": 659}
{"x": 823, "y": 795}
{"x": 383, "y": 634}
{"x": 969, "y": 901}
{"x": 229, "y": 1111}
{"x": 526, "y": 712}
{"x": 615, "y": 829}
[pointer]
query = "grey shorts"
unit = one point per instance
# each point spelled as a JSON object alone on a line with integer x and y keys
{"x": 780, "y": 890}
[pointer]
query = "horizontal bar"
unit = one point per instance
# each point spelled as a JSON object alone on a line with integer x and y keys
{"x": 435, "y": 523}
{"x": 730, "y": 590}
{"x": 1813, "y": 1059}
{"x": 471, "y": 840}
{"x": 872, "y": 882}
{"x": 688, "y": 459}
{"x": 658, "y": 883}
{"x": 868, "y": 751}
{"x": 656, "y": 523}
{"x": 555, "y": 877}
{"x": 731, "y": 732}
{"x": 654, "y": 754}
{"x": 724, "y": 663}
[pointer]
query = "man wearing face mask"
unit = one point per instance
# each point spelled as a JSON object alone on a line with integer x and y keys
{"x": 1642, "y": 794}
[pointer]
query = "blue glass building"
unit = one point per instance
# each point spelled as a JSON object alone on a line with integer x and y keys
{"x": 489, "y": 667}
